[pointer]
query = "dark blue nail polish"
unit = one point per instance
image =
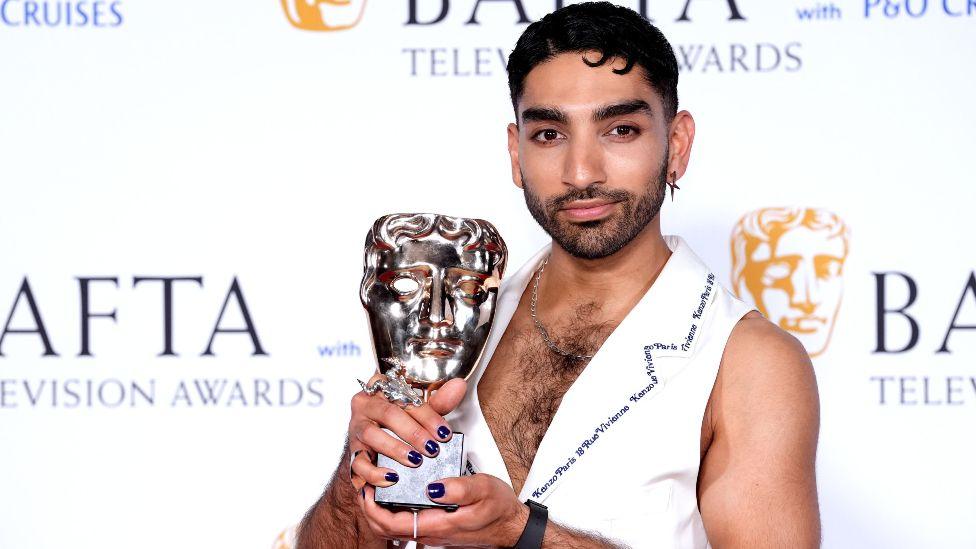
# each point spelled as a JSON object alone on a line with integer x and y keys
{"x": 443, "y": 431}
{"x": 414, "y": 457}
{"x": 435, "y": 490}
{"x": 432, "y": 447}
{"x": 392, "y": 477}
{"x": 364, "y": 492}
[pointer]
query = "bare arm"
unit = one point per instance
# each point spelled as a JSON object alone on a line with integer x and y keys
{"x": 336, "y": 519}
{"x": 558, "y": 536}
{"x": 490, "y": 515}
{"x": 757, "y": 484}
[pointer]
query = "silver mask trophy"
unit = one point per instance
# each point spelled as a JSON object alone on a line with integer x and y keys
{"x": 429, "y": 288}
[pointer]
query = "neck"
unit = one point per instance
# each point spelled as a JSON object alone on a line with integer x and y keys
{"x": 613, "y": 282}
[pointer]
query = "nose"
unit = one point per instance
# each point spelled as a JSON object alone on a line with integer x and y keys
{"x": 806, "y": 288}
{"x": 583, "y": 164}
{"x": 435, "y": 310}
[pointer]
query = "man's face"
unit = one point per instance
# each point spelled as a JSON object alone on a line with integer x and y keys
{"x": 797, "y": 283}
{"x": 431, "y": 306}
{"x": 590, "y": 153}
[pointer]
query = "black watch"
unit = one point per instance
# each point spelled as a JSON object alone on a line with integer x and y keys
{"x": 535, "y": 528}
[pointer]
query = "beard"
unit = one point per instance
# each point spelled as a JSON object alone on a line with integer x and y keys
{"x": 603, "y": 237}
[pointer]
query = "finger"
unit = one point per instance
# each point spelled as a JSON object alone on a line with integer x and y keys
{"x": 356, "y": 480}
{"x": 362, "y": 396}
{"x": 377, "y": 439}
{"x": 448, "y": 397}
{"x": 361, "y": 499}
{"x": 482, "y": 501}
{"x": 383, "y": 412}
{"x": 436, "y": 525}
{"x": 361, "y": 399}
{"x": 432, "y": 422}
{"x": 460, "y": 490}
{"x": 376, "y": 377}
{"x": 363, "y": 467}
{"x": 365, "y": 495}
{"x": 357, "y": 450}
{"x": 385, "y": 522}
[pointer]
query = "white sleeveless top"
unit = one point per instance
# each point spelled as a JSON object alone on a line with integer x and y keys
{"x": 622, "y": 453}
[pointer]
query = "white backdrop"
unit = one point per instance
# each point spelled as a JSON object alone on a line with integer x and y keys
{"x": 216, "y": 140}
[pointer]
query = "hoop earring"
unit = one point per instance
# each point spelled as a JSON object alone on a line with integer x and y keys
{"x": 673, "y": 183}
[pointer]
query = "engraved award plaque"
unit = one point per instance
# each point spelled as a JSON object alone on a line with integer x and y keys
{"x": 429, "y": 288}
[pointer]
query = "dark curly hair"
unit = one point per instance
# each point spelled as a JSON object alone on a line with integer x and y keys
{"x": 614, "y": 31}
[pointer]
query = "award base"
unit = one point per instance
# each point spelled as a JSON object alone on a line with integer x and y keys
{"x": 410, "y": 492}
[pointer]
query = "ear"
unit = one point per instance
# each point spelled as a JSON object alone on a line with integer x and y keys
{"x": 513, "y": 153}
{"x": 681, "y": 138}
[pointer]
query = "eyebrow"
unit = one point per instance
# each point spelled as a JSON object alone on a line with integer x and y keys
{"x": 544, "y": 114}
{"x": 554, "y": 114}
{"x": 621, "y": 109}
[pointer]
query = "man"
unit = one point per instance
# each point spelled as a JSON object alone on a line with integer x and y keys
{"x": 622, "y": 388}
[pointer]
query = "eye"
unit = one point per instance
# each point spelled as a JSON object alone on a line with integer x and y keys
{"x": 404, "y": 285}
{"x": 624, "y": 131}
{"x": 547, "y": 135}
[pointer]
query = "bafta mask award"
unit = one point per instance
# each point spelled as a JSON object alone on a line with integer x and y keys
{"x": 429, "y": 288}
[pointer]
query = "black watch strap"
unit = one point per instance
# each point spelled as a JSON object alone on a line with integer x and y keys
{"x": 535, "y": 528}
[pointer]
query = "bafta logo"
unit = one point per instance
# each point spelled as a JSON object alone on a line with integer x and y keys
{"x": 324, "y": 15}
{"x": 286, "y": 539}
{"x": 790, "y": 263}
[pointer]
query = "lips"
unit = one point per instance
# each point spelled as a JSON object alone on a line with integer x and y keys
{"x": 588, "y": 210}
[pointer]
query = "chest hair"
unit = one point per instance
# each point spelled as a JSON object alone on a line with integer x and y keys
{"x": 530, "y": 381}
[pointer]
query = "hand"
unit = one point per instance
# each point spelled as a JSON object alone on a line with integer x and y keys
{"x": 490, "y": 514}
{"x": 420, "y": 426}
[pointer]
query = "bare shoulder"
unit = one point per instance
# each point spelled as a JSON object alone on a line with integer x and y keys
{"x": 765, "y": 384}
{"x": 759, "y": 338}
{"x": 765, "y": 367}
{"x": 757, "y": 482}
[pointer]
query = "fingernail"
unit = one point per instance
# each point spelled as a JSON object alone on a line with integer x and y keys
{"x": 432, "y": 447}
{"x": 392, "y": 477}
{"x": 364, "y": 492}
{"x": 443, "y": 431}
{"x": 435, "y": 490}
{"x": 414, "y": 457}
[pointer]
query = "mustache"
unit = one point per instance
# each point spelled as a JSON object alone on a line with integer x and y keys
{"x": 593, "y": 191}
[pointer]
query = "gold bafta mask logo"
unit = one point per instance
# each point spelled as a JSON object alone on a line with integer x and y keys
{"x": 324, "y": 15}
{"x": 790, "y": 262}
{"x": 286, "y": 539}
